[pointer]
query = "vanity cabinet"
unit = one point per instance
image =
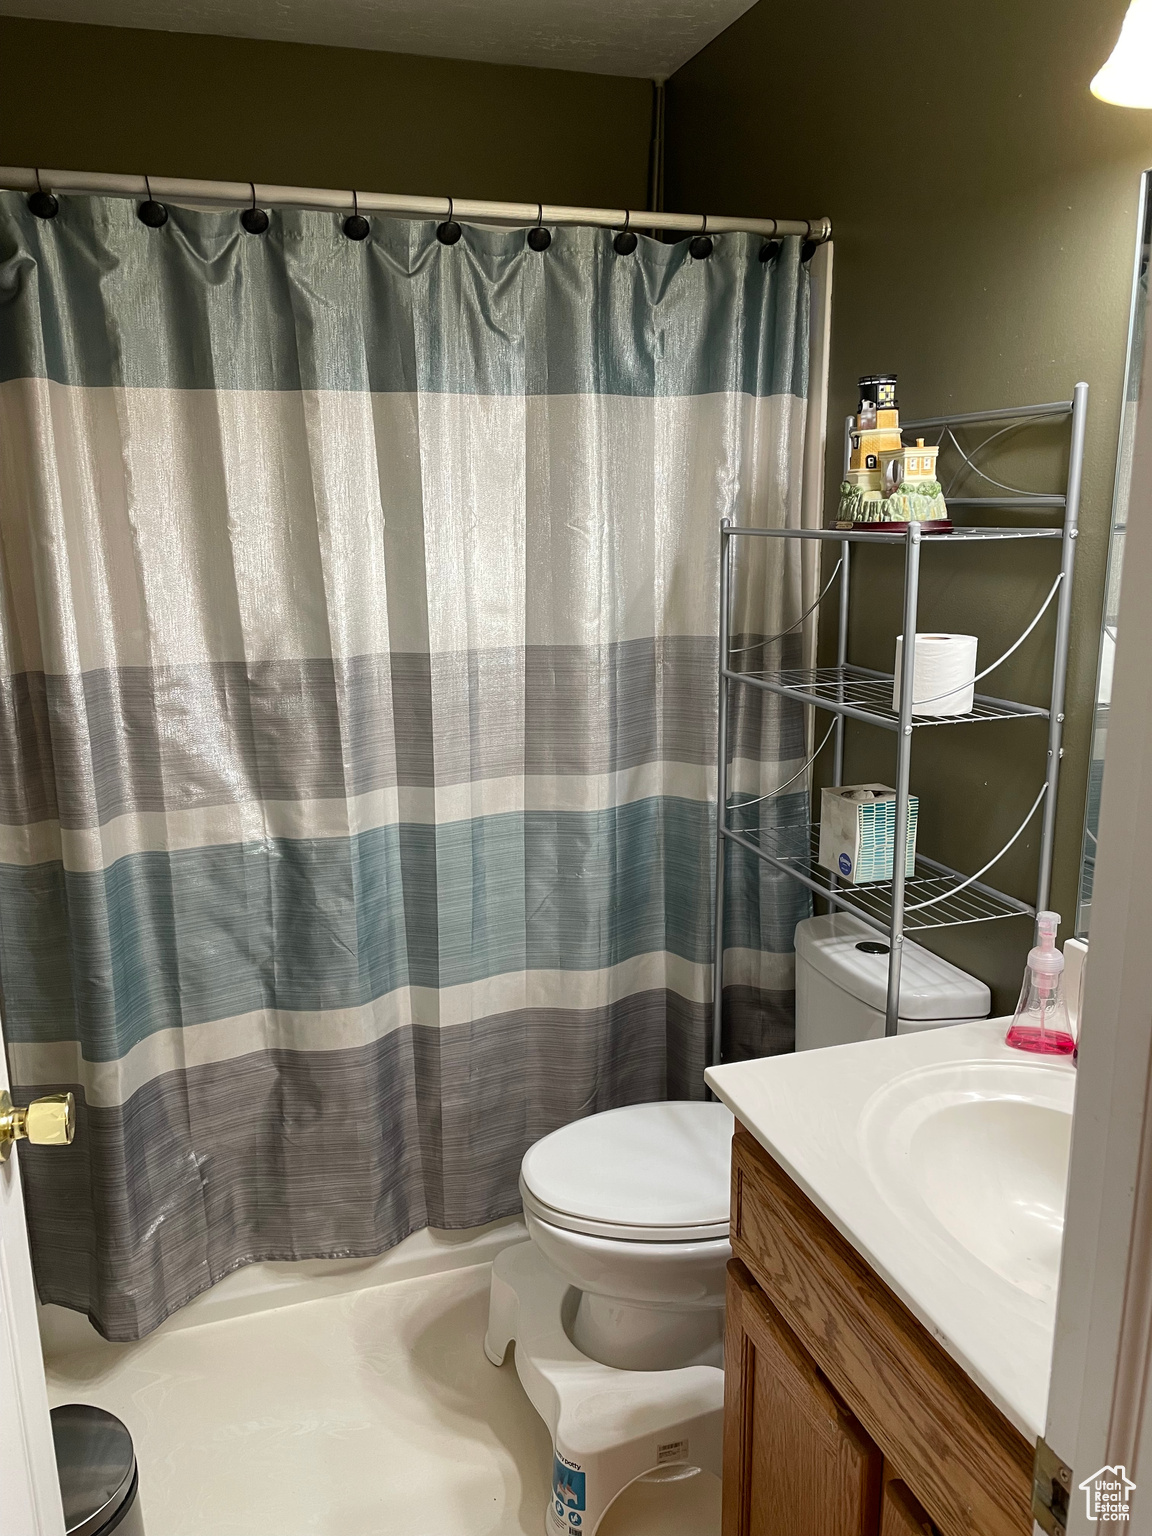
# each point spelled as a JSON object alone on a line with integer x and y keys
{"x": 842, "y": 1415}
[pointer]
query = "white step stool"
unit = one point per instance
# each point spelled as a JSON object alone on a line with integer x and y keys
{"x": 608, "y": 1426}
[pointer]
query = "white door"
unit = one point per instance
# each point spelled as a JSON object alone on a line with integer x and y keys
{"x": 1100, "y": 1400}
{"x": 29, "y": 1491}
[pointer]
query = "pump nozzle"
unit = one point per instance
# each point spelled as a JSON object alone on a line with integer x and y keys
{"x": 1046, "y": 960}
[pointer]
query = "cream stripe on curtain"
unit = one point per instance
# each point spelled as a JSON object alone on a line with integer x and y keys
{"x": 357, "y": 714}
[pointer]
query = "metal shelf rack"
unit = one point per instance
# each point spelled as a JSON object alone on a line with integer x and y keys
{"x": 935, "y": 895}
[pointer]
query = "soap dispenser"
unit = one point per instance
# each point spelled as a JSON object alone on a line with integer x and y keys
{"x": 1041, "y": 1022}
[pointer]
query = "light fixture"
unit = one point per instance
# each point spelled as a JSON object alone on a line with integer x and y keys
{"x": 1126, "y": 79}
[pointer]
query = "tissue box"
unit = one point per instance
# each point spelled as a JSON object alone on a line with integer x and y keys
{"x": 858, "y": 831}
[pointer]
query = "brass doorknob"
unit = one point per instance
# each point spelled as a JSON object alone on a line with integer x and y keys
{"x": 46, "y": 1122}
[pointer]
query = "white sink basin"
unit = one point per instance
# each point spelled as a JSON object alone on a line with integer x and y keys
{"x": 978, "y": 1152}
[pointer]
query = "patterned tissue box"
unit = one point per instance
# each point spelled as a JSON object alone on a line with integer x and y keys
{"x": 858, "y": 832}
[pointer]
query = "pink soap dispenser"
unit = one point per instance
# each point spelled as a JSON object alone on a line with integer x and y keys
{"x": 1041, "y": 1021}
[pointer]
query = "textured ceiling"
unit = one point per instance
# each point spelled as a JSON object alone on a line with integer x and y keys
{"x": 617, "y": 37}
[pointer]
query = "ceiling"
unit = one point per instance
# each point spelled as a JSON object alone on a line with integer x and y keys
{"x": 614, "y": 37}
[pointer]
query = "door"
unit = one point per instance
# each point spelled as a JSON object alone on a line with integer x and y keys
{"x": 1100, "y": 1399}
{"x": 29, "y": 1492}
{"x": 796, "y": 1463}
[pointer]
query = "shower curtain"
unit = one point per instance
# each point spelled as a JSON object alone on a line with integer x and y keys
{"x": 357, "y": 714}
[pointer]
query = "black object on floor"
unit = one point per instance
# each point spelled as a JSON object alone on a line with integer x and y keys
{"x": 99, "y": 1480}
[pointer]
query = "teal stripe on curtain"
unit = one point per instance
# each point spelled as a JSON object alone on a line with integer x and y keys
{"x": 336, "y": 922}
{"x": 94, "y": 297}
{"x": 358, "y": 715}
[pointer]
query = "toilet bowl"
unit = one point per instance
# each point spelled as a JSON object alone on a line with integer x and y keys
{"x": 630, "y": 1207}
{"x": 842, "y": 985}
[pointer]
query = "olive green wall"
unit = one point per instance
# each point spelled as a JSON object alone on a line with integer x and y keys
{"x": 984, "y": 206}
{"x": 179, "y": 104}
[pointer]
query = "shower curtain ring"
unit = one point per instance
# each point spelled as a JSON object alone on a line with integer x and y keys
{"x": 449, "y": 232}
{"x": 356, "y": 226}
{"x": 807, "y": 250}
{"x": 701, "y": 245}
{"x": 42, "y": 203}
{"x": 625, "y": 242}
{"x": 771, "y": 247}
{"x": 254, "y": 219}
{"x": 150, "y": 212}
{"x": 538, "y": 237}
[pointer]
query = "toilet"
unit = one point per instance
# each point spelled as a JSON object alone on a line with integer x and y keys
{"x": 631, "y": 1207}
{"x": 842, "y": 985}
{"x": 616, "y": 1303}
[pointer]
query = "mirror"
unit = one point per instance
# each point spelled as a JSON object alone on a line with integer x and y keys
{"x": 1137, "y": 329}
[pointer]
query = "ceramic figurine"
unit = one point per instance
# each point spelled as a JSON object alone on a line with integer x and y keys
{"x": 887, "y": 483}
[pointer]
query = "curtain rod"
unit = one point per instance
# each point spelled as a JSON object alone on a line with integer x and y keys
{"x": 239, "y": 194}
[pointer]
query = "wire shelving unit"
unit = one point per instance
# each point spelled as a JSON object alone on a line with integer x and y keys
{"x": 935, "y": 895}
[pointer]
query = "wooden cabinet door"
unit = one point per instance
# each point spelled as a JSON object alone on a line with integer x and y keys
{"x": 901, "y": 1515}
{"x": 968, "y": 1466}
{"x": 796, "y": 1463}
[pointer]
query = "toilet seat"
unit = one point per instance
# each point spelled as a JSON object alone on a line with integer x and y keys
{"x": 647, "y": 1173}
{"x": 621, "y": 1232}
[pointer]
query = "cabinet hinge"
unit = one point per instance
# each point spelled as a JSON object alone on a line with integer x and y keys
{"x": 1051, "y": 1490}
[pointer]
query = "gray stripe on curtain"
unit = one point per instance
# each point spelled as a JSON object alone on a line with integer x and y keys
{"x": 357, "y": 715}
{"x": 86, "y": 747}
{"x": 330, "y": 1153}
{"x": 283, "y": 1155}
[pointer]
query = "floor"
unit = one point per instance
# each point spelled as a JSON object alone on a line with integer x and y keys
{"x": 367, "y": 1412}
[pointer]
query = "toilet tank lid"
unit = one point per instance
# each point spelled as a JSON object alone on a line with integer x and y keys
{"x": 930, "y": 988}
{"x": 660, "y": 1165}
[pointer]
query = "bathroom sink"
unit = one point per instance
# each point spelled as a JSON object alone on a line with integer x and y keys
{"x": 942, "y": 1157}
{"x": 977, "y": 1152}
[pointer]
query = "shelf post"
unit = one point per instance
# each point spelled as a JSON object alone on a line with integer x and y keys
{"x": 1060, "y": 654}
{"x": 842, "y": 631}
{"x": 903, "y": 769}
{"x": 841, "y": 659}
{"x": 721, "y": 794}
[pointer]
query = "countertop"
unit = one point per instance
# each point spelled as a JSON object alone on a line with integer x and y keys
{"x": 812, "y": 1112}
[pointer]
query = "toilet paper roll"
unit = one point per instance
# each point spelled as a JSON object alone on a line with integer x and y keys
{"x": 944, "y": 679}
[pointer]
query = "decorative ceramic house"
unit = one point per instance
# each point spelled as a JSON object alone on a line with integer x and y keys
{"x": 920, "y": 462}
{"x": 887, "y": 482}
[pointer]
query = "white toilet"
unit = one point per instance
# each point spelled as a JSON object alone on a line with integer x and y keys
{"x": 842, "y": 985}
{"x": 616, "y": 1305}
{"x": 631, "y": 1207}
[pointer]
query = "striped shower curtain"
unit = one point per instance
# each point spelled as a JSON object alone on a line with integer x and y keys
{"x": 357, "y": 714}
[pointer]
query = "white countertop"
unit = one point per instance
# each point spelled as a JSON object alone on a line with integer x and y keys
{"x": 817, "y": 1112}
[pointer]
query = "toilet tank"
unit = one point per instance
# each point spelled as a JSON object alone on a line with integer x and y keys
{"x": 841, "y": 988}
